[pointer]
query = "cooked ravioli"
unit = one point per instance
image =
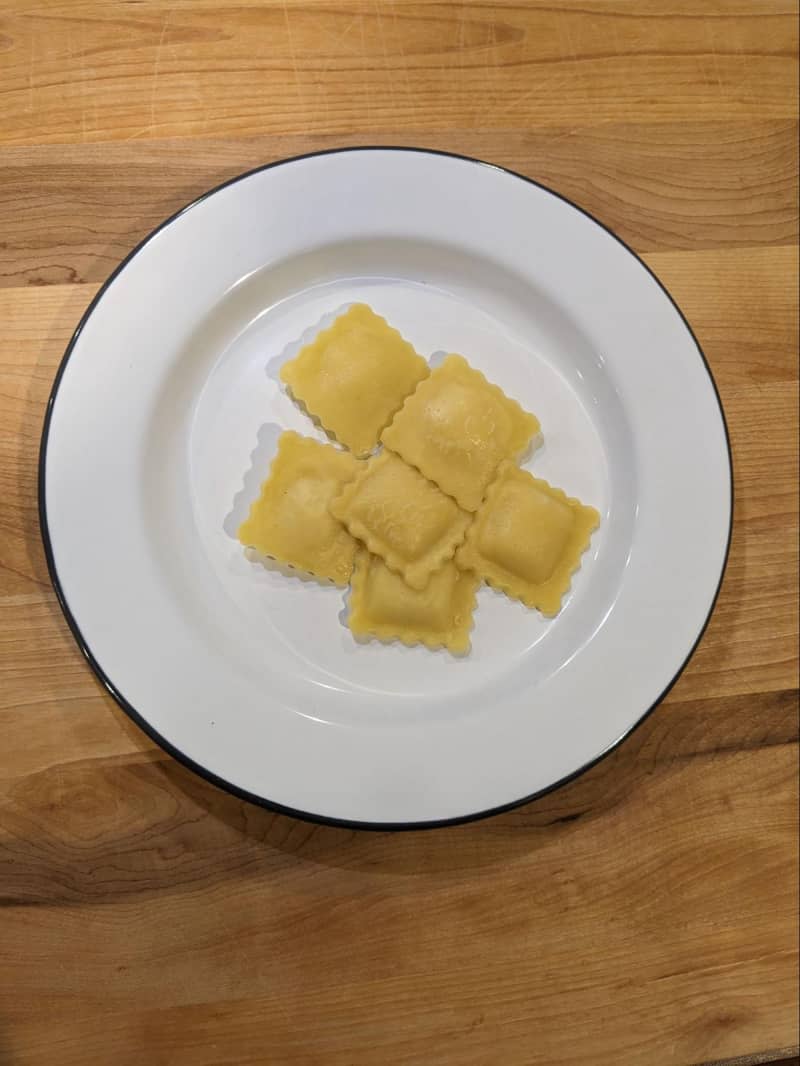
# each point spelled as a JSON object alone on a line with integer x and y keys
{"x": 291, "y": 521}
{"x": 527, "y": 539}
{"x": 402, "y": 517}
{"x": 457, "y": 428}
{"x": 354, "y": 376}
{"x": 414, "y": 526}
{"x": 382, "y": 605}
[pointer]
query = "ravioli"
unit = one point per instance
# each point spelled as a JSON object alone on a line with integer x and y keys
{"x": 528, "y": 538}
{"x": 457, "y": 428}
{"x": 427, "y": 501}
{"x": 354, "y": 376}
{"x": 382, "y": 605}
{"x": 290, "y": 521}
{"x": 401, "y": 517}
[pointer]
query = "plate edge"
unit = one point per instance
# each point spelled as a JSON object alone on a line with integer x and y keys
{"x": 133, "y": 714}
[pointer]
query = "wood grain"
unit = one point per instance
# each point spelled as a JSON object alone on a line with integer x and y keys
{"x": 644, "y": 914}
{"x": 448, "y": 945}
{"x": 88, "y": 72}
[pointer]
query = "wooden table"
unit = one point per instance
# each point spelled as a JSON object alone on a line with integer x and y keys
{"x": 645, "y": 914}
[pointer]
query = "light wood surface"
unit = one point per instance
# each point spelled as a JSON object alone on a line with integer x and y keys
{"x": 647, "y": 913}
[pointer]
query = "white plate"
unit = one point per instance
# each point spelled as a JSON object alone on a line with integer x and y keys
{"x": 164, "y": 414}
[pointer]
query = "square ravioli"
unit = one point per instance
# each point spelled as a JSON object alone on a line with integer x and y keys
{"x": 402, "y": 517}
{"x": 354, "y": 376}
{"x": 527, "y": 539}
{"x": 382, "y": 605}
{"x": 457, "y": 428}
{"x": 291, "y": 522}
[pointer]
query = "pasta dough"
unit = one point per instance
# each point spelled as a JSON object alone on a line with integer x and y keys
{"x": 402, "y": 517}
{"x": 457, "y": 428}
{"x": 415, "y": 527}
{"x": 354, "y": 376}
{"x": 528, "y": 538}
{"x": 382, "y": 605}
{"x": 290, "y": 521}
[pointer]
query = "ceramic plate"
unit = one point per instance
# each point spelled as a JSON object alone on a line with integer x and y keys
{"x": 164, "y": 416}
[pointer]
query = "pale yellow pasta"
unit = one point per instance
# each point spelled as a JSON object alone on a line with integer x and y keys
{"x": 527, "y": 539}
{"x": 402, "y": 517}
{"x": 353, "y": 377}
{"x": 382, "y": 605}
{"x": 290, "y": 521}
{"x": 417, "y": 526}
{"x": 457, "y": 428}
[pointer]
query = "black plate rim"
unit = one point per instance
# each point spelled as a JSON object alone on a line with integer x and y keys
{"x": 143, "y": 724}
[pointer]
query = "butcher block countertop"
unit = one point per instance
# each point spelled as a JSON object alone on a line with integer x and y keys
{"x": 643, "y": 915}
